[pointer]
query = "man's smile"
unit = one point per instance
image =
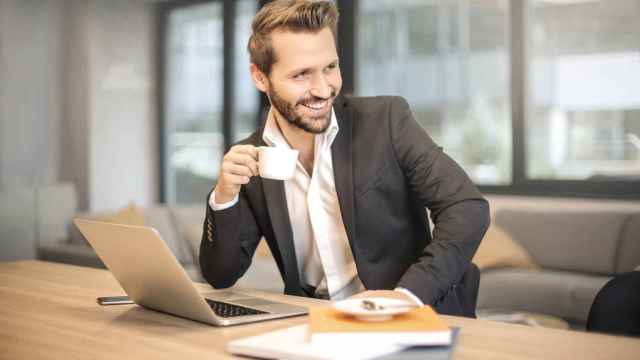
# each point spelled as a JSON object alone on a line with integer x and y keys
{"x": 316, "y": 108}
{"x": 316, "y": 105}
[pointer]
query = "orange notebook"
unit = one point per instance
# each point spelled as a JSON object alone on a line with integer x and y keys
{"x": 420, "y": 326}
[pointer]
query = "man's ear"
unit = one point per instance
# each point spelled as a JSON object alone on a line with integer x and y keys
{"x": 259, "y": 78}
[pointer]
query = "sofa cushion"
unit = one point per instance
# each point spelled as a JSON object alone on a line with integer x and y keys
{"x": 188, "y": 222}
{"x": 56, "y": 206}
{"x": 498, "y": 249}
{"x": 66, "y": 253}
{"x": 160, "y": 219}
{"x": 578, "y": 240}
{"x": 628, "y": 252}
{"x": 129, "y": 215}
{"x": 563, "y": 294}
{"x": 192, "y": 235}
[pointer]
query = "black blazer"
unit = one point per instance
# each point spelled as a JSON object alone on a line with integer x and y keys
{"x": 387, "y": 170}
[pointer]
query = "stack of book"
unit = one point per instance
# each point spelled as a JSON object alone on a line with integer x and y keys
{"x": 331, "y": 334}
{"x": 421, "y": 326}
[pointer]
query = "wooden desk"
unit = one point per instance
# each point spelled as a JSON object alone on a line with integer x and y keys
{"x": 49, "y": 311}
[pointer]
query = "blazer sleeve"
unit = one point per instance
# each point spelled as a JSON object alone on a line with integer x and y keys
{"x": 229, "y": 239}
{"x": 459, "y": 212}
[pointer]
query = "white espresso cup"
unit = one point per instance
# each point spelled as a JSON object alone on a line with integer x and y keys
{"x": 277, "y": 163}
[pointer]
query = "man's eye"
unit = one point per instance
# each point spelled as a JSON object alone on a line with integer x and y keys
{"x": 334, "y": 65}
{"x": 301, "y": 75}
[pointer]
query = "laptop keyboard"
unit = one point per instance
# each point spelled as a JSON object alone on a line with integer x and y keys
{"x": 230, "y": 310}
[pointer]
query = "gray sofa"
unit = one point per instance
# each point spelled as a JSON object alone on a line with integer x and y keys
{"x": 180, "y": 226}
{"x": 173, "y": 224}
{"x": 578, "y": 245}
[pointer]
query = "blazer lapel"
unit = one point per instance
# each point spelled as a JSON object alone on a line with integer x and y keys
{"x": 342, "y": 155}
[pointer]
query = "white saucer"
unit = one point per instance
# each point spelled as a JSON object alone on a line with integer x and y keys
{"x": 354, "y": 307}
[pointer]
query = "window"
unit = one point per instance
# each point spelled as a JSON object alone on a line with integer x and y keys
{"x": 584, "y": 91}
{"x": 246, "y": 98}
{"x": 528, "y": 96}
{"x": 204, "y": 109}
{"x": 450, "y": 60}
{"x": 423, "y": 31}
{"x": 193, "y": 110}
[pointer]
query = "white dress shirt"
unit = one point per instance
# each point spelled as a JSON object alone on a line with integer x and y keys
{"x": 323, "y": 253}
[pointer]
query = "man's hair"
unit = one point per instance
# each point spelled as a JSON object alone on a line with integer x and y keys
{"x": 291, "y": 15}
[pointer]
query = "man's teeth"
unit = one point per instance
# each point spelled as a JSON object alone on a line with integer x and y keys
{"x": 316, "y": 106}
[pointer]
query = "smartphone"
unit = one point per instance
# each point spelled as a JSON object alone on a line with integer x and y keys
{"x": 114, "y": 300}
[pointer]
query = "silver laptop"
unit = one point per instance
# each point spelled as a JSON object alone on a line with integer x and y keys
{"x": 152, "y": 277}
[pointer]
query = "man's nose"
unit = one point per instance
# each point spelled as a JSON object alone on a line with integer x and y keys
{"x": 320, "y": 86}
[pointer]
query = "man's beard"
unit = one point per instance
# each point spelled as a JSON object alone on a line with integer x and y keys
{"x": 314, "y": 125}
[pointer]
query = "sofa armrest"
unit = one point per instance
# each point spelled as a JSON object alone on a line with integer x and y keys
{"x": 67, "y": 253}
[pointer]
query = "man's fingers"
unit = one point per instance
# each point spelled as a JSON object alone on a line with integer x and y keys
{"x": 236, "y": 169}
{"x": 235, "y": 180}
{"x": 243, "y": 159}
{"x": 253, "y": 151}
{"x": 246, "y": 149}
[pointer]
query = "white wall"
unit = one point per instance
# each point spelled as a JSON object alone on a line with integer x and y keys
{"x": 30, "y": 97}
{"x": 30, "y": 116}
{"x": 123, "y": 132}
{"x": 77, "y": 94}
{"x": 74, "y": 165}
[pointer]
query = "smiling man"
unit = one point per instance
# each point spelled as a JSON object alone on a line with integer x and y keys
{"x": 353, "y": 219}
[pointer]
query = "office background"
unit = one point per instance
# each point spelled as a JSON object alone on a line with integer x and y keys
{"x": 137, "y": 100}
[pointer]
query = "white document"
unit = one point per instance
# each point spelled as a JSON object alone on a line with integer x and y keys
{"x": 291, "y": 343}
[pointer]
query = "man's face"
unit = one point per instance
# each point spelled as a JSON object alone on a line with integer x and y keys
{"x": 305, "y": 79}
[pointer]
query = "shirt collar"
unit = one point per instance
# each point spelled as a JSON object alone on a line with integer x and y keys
{"x": 272, "y": 135}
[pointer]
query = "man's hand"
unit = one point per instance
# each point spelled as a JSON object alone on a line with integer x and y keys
{"x": 238, "y": 166}
{"x": 392, "y": 294}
